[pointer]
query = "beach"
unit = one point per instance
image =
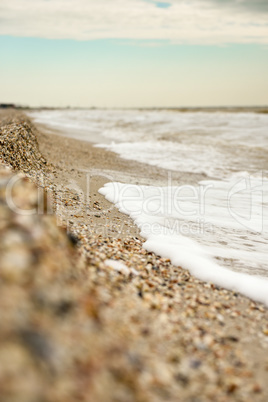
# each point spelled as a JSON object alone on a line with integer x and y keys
{"x": 107, "y": 320}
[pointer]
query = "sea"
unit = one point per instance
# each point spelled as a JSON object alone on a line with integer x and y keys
{"x": 216, "y": 226}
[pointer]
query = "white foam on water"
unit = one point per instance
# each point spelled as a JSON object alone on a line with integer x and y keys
{"x": 216, "y": 144}
{"x": 209, "y": 229}
{"x": 194, "y": 158}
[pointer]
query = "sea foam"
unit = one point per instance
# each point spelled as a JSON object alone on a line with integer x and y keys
{"x": 214, "y": 242}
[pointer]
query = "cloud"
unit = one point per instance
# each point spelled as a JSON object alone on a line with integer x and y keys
{"x": 260, "y": 6}
{"x": 184, "y": 21}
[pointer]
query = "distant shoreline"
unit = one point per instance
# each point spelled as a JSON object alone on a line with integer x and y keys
{"x": 184, "y": 109}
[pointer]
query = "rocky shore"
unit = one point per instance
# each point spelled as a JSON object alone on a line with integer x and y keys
{"x": 87, "y": 314}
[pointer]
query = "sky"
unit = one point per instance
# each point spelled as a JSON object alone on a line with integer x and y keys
{"x": 134, "y": 53}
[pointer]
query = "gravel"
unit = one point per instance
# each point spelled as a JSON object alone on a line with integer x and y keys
{"x": 74, "y": 328}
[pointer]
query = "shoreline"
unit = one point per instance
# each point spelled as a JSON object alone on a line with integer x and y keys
{"x": 190, "y": 338}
